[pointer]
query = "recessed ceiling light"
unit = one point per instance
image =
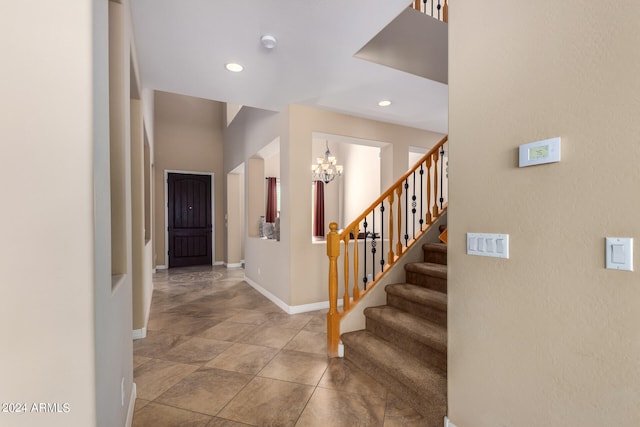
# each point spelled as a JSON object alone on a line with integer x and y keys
{"x": 232, "y": 66}
{"x": 384, "y": 103}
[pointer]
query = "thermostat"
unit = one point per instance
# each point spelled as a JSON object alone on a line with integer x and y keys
{"x": 540, "y": 152}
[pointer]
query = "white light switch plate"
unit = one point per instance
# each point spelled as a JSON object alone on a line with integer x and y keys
{"x": 619, "y": 253}
{"x": 486, "y": 244}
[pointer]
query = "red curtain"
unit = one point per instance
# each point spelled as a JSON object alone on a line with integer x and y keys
{"x": 318, "y": 211}
{"x": 272, "y": 200}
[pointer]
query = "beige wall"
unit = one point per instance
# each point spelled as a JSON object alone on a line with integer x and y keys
{"x": 235, "y": 218}
{"x": 548, "y": 337}
{"x": 252, "y": 131}
{"x": 256, "y": 199}
{"x": 113, "y": 306}
{"x": 67, "y": 337}
{"x": 361, "y": 180}
{"x": 141, "y": 266}
{"x": 47, "y": 305}
{"x": 188, "y": 137}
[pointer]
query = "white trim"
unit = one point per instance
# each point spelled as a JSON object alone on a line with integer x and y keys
{"x": 139, "y": 333}
{"x": 448, "y": 423}
{"x": 218, "y": 262}
{"x": 295, "y": 309}
{"x": 233, "y": 265}
{"x": 132, "y": 405}
{"x": 322, "y": 305}
{"x": 161, "y": 267}
{"x": 166, "y": 212}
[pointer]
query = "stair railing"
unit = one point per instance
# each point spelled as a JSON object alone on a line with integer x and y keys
{"x": 411, "y": 205}
{"x": 438, "y": 9}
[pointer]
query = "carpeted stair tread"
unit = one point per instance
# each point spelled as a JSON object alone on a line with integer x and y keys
{"x": 411, "y": 326}
{"x": 419, "y": 295}
{"x": 427, "y": 269}
{"x": 418, "y": 300}
{"x": 410, "y": 379}
{"x": 404, "y": 343}
{"x": 435, "y": 253}
{"x": 435, "y": 247}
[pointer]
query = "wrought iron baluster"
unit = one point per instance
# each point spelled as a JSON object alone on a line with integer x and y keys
{"x": 435, "y": 187}
{"x": 364, "y": 272}
{"x": 439, "y": 8}
{"x": 406, "y": 213}
{"x": 381, "y": 236}
{"x": 421, "y": 195}
{"x": 441, "y": 177}
{"x": 429, "y": 190}
{"x": 373, "y": 244}
{"x": 413, "y": 205}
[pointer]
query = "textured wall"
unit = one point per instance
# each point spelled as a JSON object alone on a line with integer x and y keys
{"x": 548, "y": 337}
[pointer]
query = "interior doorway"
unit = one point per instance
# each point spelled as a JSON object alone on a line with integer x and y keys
{"x": 235, "y": 217}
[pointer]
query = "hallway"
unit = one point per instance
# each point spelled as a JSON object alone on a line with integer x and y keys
{"x": 218, "y": 353}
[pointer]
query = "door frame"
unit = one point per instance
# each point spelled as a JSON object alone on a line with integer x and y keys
{"x": 166, "y": 212}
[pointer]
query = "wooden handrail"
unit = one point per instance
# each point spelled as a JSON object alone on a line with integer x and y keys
{"x": 433, "y": 189}
{"x": 393, "y": 187}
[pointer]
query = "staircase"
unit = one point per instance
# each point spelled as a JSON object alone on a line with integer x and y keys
{"x": 404, "y": 345}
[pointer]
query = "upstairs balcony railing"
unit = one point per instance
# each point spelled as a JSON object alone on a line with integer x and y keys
{"x": 374, "y": 241}
{"x": 438, "y": 9}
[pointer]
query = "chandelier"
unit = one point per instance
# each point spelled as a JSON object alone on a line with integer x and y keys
{"x": 326, "y": 169}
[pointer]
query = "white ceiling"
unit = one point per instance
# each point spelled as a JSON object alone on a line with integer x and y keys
{"x": 183, "y": 45}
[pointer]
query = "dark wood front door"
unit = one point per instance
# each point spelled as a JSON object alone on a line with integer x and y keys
{"x": 189, "y": 219}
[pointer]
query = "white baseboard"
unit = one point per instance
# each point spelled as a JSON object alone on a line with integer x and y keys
{"x": 304, "y": 308}
{"x": 132, "y": 405}
{"x": 448, "y": 423}
{"x": 161, "y": 267}
{"x": 233, "y": 265}
{"x": 218, "y": 263}
{"x": 139, "y": 333}
{"x": 290, "y": 309}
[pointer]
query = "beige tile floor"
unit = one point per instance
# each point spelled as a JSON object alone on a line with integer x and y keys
{"x": 218, "y": 353}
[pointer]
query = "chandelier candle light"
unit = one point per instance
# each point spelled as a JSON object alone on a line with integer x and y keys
{"x": 326, "y": 169}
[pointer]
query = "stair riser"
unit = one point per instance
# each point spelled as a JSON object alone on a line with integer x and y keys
{"x": 420, "y": 350}
{"x": 433, "y": 408}
{"x": 435, "y": 257}
{"x": 432, "y": 314}
{"x": 430, "y": 282}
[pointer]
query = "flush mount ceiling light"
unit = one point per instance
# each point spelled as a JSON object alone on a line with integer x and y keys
{"x": 384, "y": 103}
{"x": 268, "y": 41}
{"x": 232, "y": 66}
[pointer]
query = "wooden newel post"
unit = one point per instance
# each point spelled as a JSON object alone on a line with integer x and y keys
{"x": 333, "y": 318}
